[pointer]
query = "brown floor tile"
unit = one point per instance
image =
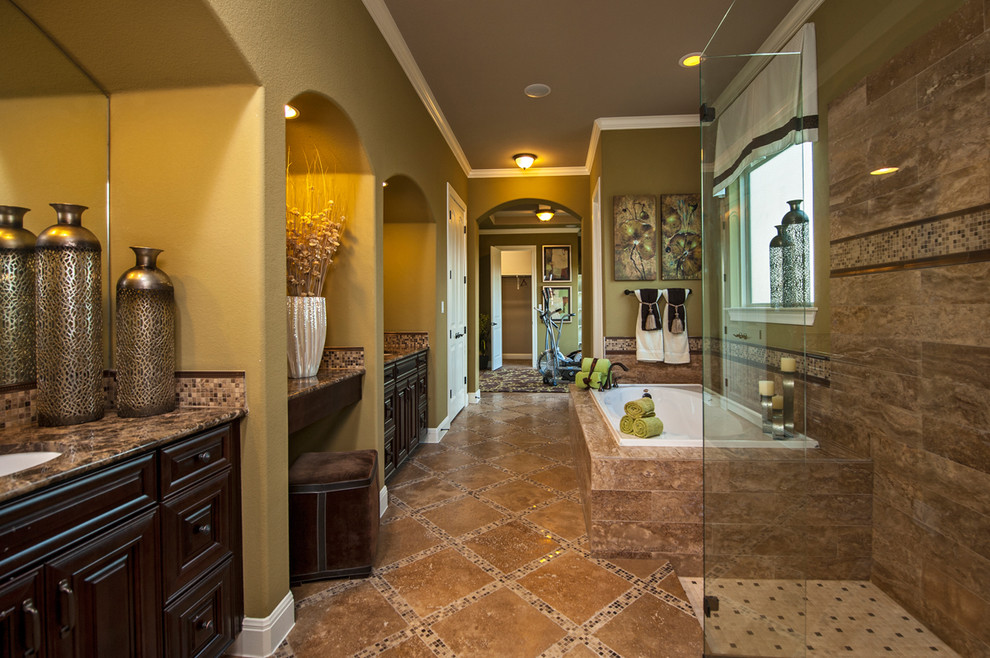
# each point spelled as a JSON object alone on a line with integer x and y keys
{"x": 521, "y": 462}
{"x": 461, "y": 438}
{"x": 512, "y": 545}
{"x": 575, "y": 586}
{"x": 517, "y": 495}
{"x": 523, "y": 439}
{"x": 462, "y": 516}
{"x": 447, "y": 461}
{"x": 393, "y": 512}
{"x": 560, "y": 452}
{"x": 549, "y": 408}
{"x": 564, "y": 518}
{"x": 480, "y": 630}
{"x": 401, "y": 539}
{"x": 477, "y": 476}
{"x": 672, "y": 585}
{"x": 343, "y": 624}
{"x": 425, "y": 492}
{"x": 503, "y": 415}
{"x": 411, "y": 648}
{"x": 306, "y": 590}
{"x": 484, "y": 426}
{"x": 640, "y": 568}
{"x": 650, "y": 628}
{"x": 533, "y": 424}
{"x": 490, "y": 449}
{"x": 407, "y": 473}
{"x": 561, "y": 478}
{"x": 436, "y": 580}
{"x": 580, "y": 651}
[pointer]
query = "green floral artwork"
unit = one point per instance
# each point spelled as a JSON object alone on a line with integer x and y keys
{"x": 635, "y": 237}
{"x": 680, "y": 227}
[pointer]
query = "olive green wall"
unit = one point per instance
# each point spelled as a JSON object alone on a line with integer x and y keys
{"x": 655, "y": 161}
{"x": 487, "y": 194}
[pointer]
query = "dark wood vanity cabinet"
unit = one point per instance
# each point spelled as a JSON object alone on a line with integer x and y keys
{"x": 141, "y": 558}
{"x": 406, "y": 408}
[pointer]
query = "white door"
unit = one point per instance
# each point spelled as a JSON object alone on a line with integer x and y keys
{"x": 456, "y": 303}
{"x": 496, "y": 340}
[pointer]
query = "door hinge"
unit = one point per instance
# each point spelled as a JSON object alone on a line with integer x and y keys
{"x": 465, "y": 229}
{"x": 451, "y": 395}
{"x": 465, "y": 379}
{"x": 465, "y": 278}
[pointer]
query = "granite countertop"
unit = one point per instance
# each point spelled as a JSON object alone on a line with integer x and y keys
{"x": 395, "y": 355}
{"x": 90, "y": 446}
{"x": 325, "y": 378}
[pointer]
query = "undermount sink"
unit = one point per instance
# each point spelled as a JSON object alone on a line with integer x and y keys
{"x": 20, "y": 461}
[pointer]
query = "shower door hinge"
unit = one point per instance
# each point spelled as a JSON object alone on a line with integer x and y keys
{"x": 710, "y": 605}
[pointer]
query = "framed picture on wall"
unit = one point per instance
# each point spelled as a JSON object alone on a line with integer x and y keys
{"x": 635, "y": 218}
{"x": 560, "y": 298}
{"x": 556, "y": 262}
{"x": 680, "y": 219}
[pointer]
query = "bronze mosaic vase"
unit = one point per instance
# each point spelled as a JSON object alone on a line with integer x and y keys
{"x": 145, "y": 352}
{"x": 16, "y": 297}
{"x": 796, "y": 263}
{"x": 69, "y": 321}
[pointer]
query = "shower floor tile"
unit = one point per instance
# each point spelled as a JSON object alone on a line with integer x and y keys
{"x": 820, "y": 618}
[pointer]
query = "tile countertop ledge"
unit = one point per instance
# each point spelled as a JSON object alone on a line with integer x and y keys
{"x": 325, "y": 378}
{"x": 90, "y": 446}
{"x": 393, "y": 356}
{"x": 314, "y": 398}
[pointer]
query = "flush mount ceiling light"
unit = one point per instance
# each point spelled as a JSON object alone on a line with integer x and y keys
{"x": 524, "y": 160}
{"x": 690, "y": 60}
{"x": 882, "y": 171}
{"x": 291, "y": 112}
{"x": 545, "y": 213}
{"x": 537, "y": 90}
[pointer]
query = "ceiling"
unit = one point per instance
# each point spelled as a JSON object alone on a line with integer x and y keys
{"x": 472, "y": 59}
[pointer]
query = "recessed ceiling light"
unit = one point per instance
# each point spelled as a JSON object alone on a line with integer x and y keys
{"x": 690, "y": 60}
{"x": 291, "y": 112}
{"x": 537, "y": 90}
{"x": 884, "y": 170}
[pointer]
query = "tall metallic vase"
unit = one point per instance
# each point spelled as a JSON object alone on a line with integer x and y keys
{"x": 69, "y": 321}
{"x": 145, "y": 352}
{"x": 796, "y": 256}
{"x": 16, "y": 297}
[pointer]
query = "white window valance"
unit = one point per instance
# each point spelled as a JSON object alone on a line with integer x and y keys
{"x": 778, "y": 109}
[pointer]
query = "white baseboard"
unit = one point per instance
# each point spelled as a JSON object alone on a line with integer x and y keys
{"x": 382, "y": 501}
{"x": 435, "y": 434}
{"x": 260, "y": 638}
{"x": 474, "y": 397}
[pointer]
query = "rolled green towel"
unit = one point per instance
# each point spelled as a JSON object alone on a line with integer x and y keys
{"x": 579, "y": 382}
{"x": 602, "y": 365}
{"x": 648, "y": 426}
{"x": 640, "y": 408}
{"x": 595, "y": 380}
{"x": 626, "y": 424}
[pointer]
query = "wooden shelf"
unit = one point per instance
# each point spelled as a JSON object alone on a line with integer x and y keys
{"x": 324, "y": 395}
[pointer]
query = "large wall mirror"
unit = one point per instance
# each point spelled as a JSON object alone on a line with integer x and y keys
{"x": 53, "y": 137}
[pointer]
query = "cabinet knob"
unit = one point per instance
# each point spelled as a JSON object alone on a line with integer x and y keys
{"x": 202, "y": 529}
{"x": 204, "y": 457}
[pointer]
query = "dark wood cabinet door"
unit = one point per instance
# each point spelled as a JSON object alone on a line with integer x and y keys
{"x": 22, "y": 631}
{"x": 403, "y": 402}
{"x": 104, "y": 597}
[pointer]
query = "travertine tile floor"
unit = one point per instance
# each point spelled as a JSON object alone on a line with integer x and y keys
{"x": 483, "y": 552}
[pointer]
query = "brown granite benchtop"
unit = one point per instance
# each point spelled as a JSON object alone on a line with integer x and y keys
{"x": 90, "y": 446}
{"x": 325, "y": 378}
{"x": 397, "y": 353}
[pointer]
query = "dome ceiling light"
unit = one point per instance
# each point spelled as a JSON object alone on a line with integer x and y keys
{"x": 524, "y": 160}
{"x": 545, "y": 213}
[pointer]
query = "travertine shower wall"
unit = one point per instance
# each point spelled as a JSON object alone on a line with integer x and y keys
{"x": 910, "y": 297}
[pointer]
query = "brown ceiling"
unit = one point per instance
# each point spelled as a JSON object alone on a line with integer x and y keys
{"x": 601, "y": 59}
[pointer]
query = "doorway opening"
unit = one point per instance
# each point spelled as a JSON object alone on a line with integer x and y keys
{"x": 514, "y": 285}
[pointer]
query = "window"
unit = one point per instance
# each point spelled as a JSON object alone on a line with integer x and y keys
{"x": 767, "y": 188}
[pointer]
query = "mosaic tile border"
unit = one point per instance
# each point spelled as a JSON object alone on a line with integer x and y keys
{"x": 342, "y": 357}
{"x": 627, "y": 344}
{"x": 406, "y": 340}
{"x": 962, "y": 235}
{"x": 817, "y": 367}
{"x": 18, "y": 405}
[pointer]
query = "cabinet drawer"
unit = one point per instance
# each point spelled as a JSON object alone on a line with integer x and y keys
{"x": 196, "y": 531}
{"x": 187, "y": 461}
{"x": 41, "y": 523}
{"x": 201, "y": 622}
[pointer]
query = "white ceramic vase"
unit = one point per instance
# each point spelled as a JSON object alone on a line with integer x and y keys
{"x": 307, "y": 332}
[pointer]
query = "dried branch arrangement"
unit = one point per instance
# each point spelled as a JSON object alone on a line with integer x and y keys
{"x": 313, "y": 226}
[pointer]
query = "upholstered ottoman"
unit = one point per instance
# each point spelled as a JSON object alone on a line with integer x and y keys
{"x": 333, "y": 515}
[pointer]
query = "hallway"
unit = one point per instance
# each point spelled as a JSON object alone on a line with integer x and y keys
{"x": 482, "y": 552}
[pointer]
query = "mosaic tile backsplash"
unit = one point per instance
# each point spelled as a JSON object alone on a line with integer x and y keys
{"x": 342, "y": 357}
{"x": 406, "y": 340}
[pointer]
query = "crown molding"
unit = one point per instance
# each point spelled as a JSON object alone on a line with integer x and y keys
{"x": 537, "y": 172}
{"x": 386, "y": 25}
{"x": 636, "y": 123}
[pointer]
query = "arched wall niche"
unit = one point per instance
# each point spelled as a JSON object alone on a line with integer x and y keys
{"x": 409, "y": 258}
{"x": 527, "y": 202}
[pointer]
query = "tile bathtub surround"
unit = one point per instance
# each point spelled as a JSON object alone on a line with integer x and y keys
{"x": 406, "y": 340}
{"x": 342, "y": 357}
{"x": 911, "y": 346}
{"x": 483, "y": 551}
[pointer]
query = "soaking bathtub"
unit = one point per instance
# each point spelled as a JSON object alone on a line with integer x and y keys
{"x": 688, "y": 415}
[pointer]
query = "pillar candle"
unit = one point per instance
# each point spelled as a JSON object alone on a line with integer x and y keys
{"x": 766, "y": 387}
{"x": 788, "y": 364}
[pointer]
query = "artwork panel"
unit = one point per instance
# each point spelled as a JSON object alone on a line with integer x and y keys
{"x": 635, "y": 232}
{"x": 680, "y": 235}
